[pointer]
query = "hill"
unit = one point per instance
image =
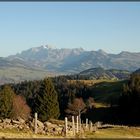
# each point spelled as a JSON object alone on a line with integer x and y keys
{"x": 100, "y": 73}
{"x": 17, "y": 71}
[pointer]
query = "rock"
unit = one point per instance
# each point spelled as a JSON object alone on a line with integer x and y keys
{"x": 7, "y": 120}
{"x": 31, "y": 124}
{"x": 15, "y": 125}
{"x": 59, "y": 130}
{"x": 50, "y": 125}
{"x": 98, "y": 124}
{"x": 27, "y": 127}
{"x": 40, "y": 131}
{"x": 21, "y": 120}
{"x": 15, "y": 122}
{"x": 60, "y": 125}
{"x": 53, "y": 129}
{"x": 20, "y": 127}
{"x": 45, "y": 129}
{"x": 47, "y": 124}
{"x": 9, "y": 126}
{"x": 40, "y": 124}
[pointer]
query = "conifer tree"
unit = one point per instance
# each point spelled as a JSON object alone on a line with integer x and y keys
{"x": 130, "y": 99}
{"x": 46, "y": 102}
{"x": 6, "y": 101}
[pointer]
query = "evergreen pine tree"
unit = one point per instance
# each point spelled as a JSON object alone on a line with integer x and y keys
{"x": 46, "y": 102}
{"x": 6, "y": 101}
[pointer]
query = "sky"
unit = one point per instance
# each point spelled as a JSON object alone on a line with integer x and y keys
{"x": 110, "y": 26}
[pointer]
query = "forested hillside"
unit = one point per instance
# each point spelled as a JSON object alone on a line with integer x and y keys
{"x": 102, "y": 99}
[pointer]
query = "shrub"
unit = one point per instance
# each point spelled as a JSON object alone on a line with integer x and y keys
{"x": 20, "y": 108}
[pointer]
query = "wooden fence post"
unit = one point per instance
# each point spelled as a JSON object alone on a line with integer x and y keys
{"x": 77, "y": 123}
{"x": 80, "y": 125}
{"x": 86, "y": 123}
{"x": 35, "y": 127}
{"x": 66, "y": 126}
{"x": 73, "y": 125}
{"x": 91, "y": 129}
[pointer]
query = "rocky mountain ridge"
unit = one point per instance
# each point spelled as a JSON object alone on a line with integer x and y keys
{"x": 36, "y": 63}
{"x": 75, "y": 60}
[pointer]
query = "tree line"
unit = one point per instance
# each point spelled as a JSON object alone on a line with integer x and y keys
{"x": 56, "y": 98}
{"x": 130, "y": 100}
{"x": 50, "y": 98}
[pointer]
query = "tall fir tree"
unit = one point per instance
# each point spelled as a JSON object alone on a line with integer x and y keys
{"x": 46, "y": 102}
{"x": 6, "y": 101}
{"x": 130, "y": 100}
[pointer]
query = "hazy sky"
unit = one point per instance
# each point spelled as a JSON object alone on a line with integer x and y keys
{"x": 111, "y": 26}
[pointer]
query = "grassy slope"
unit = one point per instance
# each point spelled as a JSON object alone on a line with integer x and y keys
{"x": 117, "y": 132}
{"x": 103, "y": 91}
{"x": 108, "y": 92}
{"x": 16, "y": 74}
{"x": 14, "y": 133}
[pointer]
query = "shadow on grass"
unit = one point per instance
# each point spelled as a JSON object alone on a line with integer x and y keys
{"x": 103, "y": 114}
{"x": 111, "y": 115}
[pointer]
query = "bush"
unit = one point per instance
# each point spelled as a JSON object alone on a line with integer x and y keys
{"x": 20, "y": 108}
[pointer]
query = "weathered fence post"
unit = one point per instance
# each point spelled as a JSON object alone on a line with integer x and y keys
{"x": 77, "y": 123}
{"x": 86, "y": 124}
{"x": 35, "y": 127}
{"x": 66, "y": 126}
{"x": 80, "y": 125}
{"x": 95, "y": 128}
{"x": 73, "y": 125}
{"x": 91, "y": 129}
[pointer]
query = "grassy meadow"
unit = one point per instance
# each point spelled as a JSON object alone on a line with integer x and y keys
{"x": 115, "y": 132}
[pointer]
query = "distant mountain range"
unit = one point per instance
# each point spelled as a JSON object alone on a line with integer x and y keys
{"x": 74, "y": 60}
{"x": 45, "y": 59}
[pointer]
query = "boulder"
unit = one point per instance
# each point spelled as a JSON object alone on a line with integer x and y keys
{"x": 15, "y": 122}
{"x": 31, "y": 125}
{"x": 40, "y": 131}
{"x": 50, "y": 125}
{"x": 21, "y": 120}
{"x": 98, "y": 124}
{"x": 40, "y": 124}
{"x": 47, "y": 124}
{"x": 59, "y": 129}
{"x": 27, "y": 127}
{"x": 9, "y": 126}
{"x": 7, "y": 120}
{"x": 20, "y": 127}
{"x": 15, "y": 125}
